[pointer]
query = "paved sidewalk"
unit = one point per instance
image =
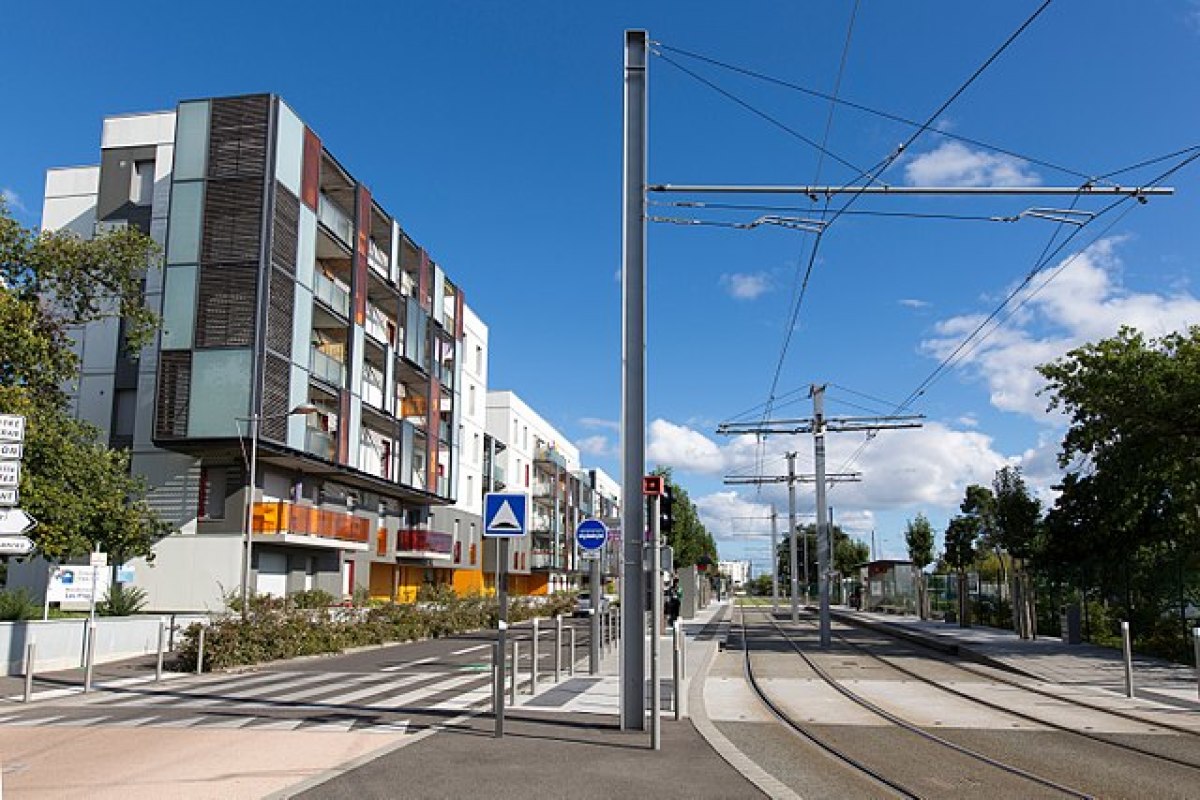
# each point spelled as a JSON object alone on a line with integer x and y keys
{"x": 1046, "y": 659}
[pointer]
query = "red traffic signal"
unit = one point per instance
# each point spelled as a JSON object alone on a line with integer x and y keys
{"x": 652, "y": 485}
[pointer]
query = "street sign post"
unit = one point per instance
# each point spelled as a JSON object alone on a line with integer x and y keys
{"x": 505, "y": 517}
{"x": 10, "y": 474}
{"x": 12, "y": 428}
{"x": 14, "y": 522}
{"x": 590, "y": 537}
{"x": 15, "y": 545}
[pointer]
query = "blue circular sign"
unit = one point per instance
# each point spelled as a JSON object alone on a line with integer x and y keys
{"x": 591, "y": 534}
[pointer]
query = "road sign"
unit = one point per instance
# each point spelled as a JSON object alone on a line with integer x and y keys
{"x": 12, "y": 428}
{"x": 652, "y": 485}
{"x": 10, "y": 449}
{"x": 504, "y": 514}
{"x": 14, "y": 522}
{"x": 10, "y": 474}
{"x": 15, "y": 545}
{"x": 9, "y": 497}
{"x": 591, "y": 534}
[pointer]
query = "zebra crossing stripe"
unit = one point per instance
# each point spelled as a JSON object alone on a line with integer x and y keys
{"x": 385, "y": 727}
{"x": 409, "y": 698}
{"x": 243, "y": 694}
{"x": 231, "y": 722}
{"x": 322, "y": 689}
{"x": 67, "y": 722}
{"x": 135, "y": 722}
{"x": 185, "y": 722}
{"x": 276, "y": 725}
{"x": 383, "y": 687}
{"x": 338, "y": 726}
{"x": 31, "y": 721}
{"x": 407, "y": 664}
{"x": 465, "y": 700}
{"x": 183, "y": 692}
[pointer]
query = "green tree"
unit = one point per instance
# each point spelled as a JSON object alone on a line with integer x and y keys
{"x": 78, "y": 489}
{"x": 918, "y": 537}
{"x": 688, "y": 536}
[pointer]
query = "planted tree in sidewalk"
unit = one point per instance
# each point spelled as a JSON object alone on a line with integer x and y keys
{"x": 962, "y": 534}
{"x": 78, "y": 489}
{"x": 918, "y": 538}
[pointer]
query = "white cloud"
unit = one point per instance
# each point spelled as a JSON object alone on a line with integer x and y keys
{"x": 1085, "y": 302}
{"x": 955, "y": 164}
{"x": 728, "y": 515}
{"x": 595, "y": 446}
{"x": 911, "y": 302}
{"x": 682, "y": 448}
{"x": 968, "y": 421}
{"x": 742, "y": 286}
{"x": 12, "y": 200}
{"x": 597, "y": 422}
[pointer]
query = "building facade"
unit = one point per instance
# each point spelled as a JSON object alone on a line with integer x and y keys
{"x": 296, "y": 313}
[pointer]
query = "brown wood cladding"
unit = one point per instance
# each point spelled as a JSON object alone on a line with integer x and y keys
{"x": 232, "y": 221}
{"x": 285, "y": 233}
{"x": 276, "y": 375}
{"x": 282, "y": 299}
{"x": 227, "y": 305}
{"x": 363, "y": 219}
{"x": 237, "y": 138}
{"x": 174, "y": 391}
{"x": 310, "y": 177}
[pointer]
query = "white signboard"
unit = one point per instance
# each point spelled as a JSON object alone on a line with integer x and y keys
{"x": 12, "y": 428}
{"x": 73, "y": 584}
{"x": 9, "y": 497}
{"x": 11, "y": 449}
{"x": 10, "y": 474}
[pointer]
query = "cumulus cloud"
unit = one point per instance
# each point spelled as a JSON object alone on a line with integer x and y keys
{"x": 911, "y": 302}
{"x": 597, "y": 422}
{"x": 729, "y": 515}
{"x": 12, "y": 200}
{"x": 1085, "y": 301}
{"x": 596, "y": 446}
{"x": 743, "y": 286}
{"x": 955, "y": 164}
{"x": 684, "y": 449}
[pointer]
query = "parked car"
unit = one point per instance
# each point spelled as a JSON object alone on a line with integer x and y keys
{"x": 583, "y": 604}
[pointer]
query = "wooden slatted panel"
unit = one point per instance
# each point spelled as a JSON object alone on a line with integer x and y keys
{"x": 237, "y": 140}
{"x": 227, "y": 306}
{"x": 276, "y": 374}
{"x": 232, "y": 221}
{"x": 174, "y": 391}
{"x": 281, "y": 301}
{"x": 286, "y": 230}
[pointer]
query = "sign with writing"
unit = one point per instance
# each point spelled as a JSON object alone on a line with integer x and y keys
{"x": 15, "y": 545}
{"x": 11, "y": 449}
{"x": 9, "y": 497}
{"x": 12, "y": 428}
{"x": 591, "y": 534}
{"x": 10, "y": 474}
{"x": 73, "y": 584}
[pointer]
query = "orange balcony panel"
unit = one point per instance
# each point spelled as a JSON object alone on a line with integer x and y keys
{"x": 281, "y": 517}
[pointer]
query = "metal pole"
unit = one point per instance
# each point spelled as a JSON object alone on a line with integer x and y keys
{"x": 162, "y": 641}
{"x": 633, "y": 383}
{"x": 597, "y": 622}
{"x": 502, "y": 632}
{"x": 516, "y": 648}
{"x": 248, "y": 535}
{"x": 571, "y": 664}
{"x": 1196, "y": 645}
{"x": 656, "y": 624}
{"x": 90, "y": 659}
{"x": 795, "y": 569}
{"x": 46, "y": 599}
{"x": 557, "y": 648}
{"x": 1127, "y": 646}
{"x": 774, "y": 561}
{"x": 823, "y": 560}
{"x": 200, "y": 651}
{"x": 676, "y": 672}
{"x": 31, "y": 655}
{"x": 533, "y": 662}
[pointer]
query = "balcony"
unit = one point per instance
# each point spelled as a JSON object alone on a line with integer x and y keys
{"x": 543, "y": 491}
{"x": 545, "y": 559}
{"x": 377, "y": 259}
{"x": 336, "y": 220}
{"x": 372, "y": 386}
{"x": 320, "y": 443}
{"x": 331, "y": 294}
{"x": 550, "y": 455}
{"x": 379, "y": 325}
{"x": 424, "y": 544}
{"x": 306, "y": 525}
{"x": 327, "y": 368}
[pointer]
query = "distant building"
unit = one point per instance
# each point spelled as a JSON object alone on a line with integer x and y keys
{"x": 738, "y": 571}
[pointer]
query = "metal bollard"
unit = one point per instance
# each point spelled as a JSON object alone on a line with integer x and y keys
{"x": 200, "y": 651}
{"x": 512, "y": 697}
{"x": 571, "y": 663}
{"x": 1196, "y": 640}
{"x": 1128, "y": 648}
{"x": 162, "y": 641}
{"x": 90, "y": 658}
{"x": 30, "y": 656}
{"x": 558, "y": 648}
{"x": 533, "y": 662}
{"x": 676, "y": 674}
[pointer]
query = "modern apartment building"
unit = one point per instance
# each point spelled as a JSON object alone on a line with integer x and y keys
{"x": 288, "y": 294}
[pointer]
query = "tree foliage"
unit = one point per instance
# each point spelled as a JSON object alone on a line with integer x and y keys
{"x": 847, "y": 553}
{"x": 79, "y": 490}
{"x": 918, "y": 537}
{"x": 688, "y": 536}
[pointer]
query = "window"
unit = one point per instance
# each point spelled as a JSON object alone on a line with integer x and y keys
{"x": 525, "y": 438}
{"x": 141, "y": 183}
{"x": 479, "y": 360}
{"x": 478, "y": 448}
{"x": 526, "y": 476}
{"x": 213, "y": 483}
{"x": 471, "y": 399}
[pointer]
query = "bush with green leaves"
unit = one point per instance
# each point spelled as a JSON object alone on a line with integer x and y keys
{"x": 122, "y": 601}
{"x": 16, "y": 605}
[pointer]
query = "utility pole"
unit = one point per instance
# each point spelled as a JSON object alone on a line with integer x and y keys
{"x": 791, "y": 479}
{"x": 775, "y": 563}
{"x": 633, "y": 386}
{"x": 818, "y": 425}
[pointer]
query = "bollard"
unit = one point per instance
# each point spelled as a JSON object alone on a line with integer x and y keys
{"x": 200, "y": 651}
{"x": 558, "y": 648}
{"x": 1128, "y": 648}
{"x": 533, "y": 661}
{"x": 571, "y": 663}
{"x": 682, "y": 645}
{"x": 512, "y": 697}
{"x": 30, "y": 655}
{"x": 497, "y": 689}
{"x": 1196, "y": 639}
{"x": 90, "y": 658}
{"x": 162, "y": 640}
{"x": 676, "y": 674}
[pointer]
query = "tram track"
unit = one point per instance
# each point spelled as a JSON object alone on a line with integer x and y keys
{"x": 874, "y": 773}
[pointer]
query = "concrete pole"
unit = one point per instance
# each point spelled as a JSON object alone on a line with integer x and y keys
{"x": 676, "y": 672}
{"x": 90, "y": 658}
{"x": 162, "y": 642}
{"x": 795, "y": 567}
{"x": 31, "y": 656}
{"x": 597, "y": 622}
{"x": 571, "y": 664}
{"x": 558, "y": 642}
{"x": 533, "y": 659}
{"x": 516, "y": 648}
{"x": 823, "y": 559}
{"x": 774, "y": 561}
{"x": 1127, "y": 649}
{"x": 248, "y": 535}
{"x": 633, "y": 383}
{"x": 200, "y": 651}
{"x": 656, "y": 624}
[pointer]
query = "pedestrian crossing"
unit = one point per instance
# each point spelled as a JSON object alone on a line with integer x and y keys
{"x": 315, "y": 701}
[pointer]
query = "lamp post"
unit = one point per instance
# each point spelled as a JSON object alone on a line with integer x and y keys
{"x": 248, "y": 528}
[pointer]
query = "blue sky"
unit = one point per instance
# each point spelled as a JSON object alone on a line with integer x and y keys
{"x": 493, "y": 132}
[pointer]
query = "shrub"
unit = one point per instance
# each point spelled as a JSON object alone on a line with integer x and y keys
{"x": 311, "y": 598}
{"x": 122, "y": 601}
{"x": 16, "y": 604}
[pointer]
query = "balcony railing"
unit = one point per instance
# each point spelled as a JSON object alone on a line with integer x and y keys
{"x": 544, "y": 559}
{"x": 550, "y": 455}
{"x": 332, "y": 295}
{"x": 282, "y": 517}
{"x": 327, "y": 368}
{"x": 336, "y": 220}
{"x": 424, "y": 544}
{"x": 376, "y": 324}
{"x": 377, "y": 258}
{"x": 319, "y": 443}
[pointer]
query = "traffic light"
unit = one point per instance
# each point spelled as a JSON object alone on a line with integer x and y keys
{"x": 665, "y": 510}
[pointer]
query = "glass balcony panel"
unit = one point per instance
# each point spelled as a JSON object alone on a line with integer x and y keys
{"x": 379, "y": 325}
{"x": 319, "y": 443}
{"x": 376, "y": 258}
{"x": 331, "y": 294}
{"x": 336, "y": 220}
{"x": 327, "y": 368}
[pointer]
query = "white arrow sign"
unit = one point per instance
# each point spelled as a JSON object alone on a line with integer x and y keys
{"x": 15, "y": 545}
{"x": 14, "y": 522}
{"x": 9, "y": 497}
{"x": 12, "y": 428}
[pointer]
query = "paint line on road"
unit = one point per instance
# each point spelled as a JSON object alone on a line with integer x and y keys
{"x": 410, "y": 698}
{"x": 406, "y": 665}
{"x": 475, "y": 649}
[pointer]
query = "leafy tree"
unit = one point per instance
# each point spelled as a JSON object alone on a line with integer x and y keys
{"x": 688, "y": 536}
{"x": 79, "y": 490}
{"x": 847, "y": 553}
{"x": 918, "y": 537}
{"x": 962, "y": 534}
{"x": 1015, "y": 514}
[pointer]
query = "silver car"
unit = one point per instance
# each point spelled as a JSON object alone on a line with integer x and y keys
{"x": 583, "y": 604}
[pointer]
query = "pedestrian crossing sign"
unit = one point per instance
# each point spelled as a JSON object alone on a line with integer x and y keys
{"x": 504, "y": 514}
